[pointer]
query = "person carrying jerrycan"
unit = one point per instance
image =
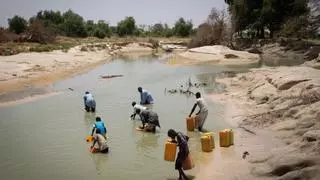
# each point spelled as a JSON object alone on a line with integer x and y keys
{"x": 201, "y": 116}
{"x": 182, "y": 141}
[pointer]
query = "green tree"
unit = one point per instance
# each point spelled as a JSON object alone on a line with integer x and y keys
{"x": 90, "y": 27}
{"x": 256, "y": 15}
{"x": 157, "y": 30}
{"x": 168, "y": 32}
{"x": 17, "y": 24}
{"x": 126, "y": 27}
{"x": 73, "y": 25}
{"x": 50, "y": 19}
{"x": 183, "y": 28}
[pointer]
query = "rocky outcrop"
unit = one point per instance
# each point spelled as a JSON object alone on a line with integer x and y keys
{"x": 220, "y": 55}
{"x": 285, "y": 101}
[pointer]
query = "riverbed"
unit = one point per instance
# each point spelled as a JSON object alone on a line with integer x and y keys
{"x": 46, "y": 138}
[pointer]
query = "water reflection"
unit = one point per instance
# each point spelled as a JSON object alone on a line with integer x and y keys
{"x": 147, "y": 142}
{"x": 89, "y": 119}
{"x": 99, "y": 161}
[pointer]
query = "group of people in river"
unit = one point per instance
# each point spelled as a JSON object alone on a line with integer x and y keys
{"x": 150, "y": 121}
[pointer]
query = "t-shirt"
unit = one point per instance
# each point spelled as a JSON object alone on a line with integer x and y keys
{"x": 149, "y": 117}
{"x": 146, "y": 97}
{"x": 202, "y": 105}
{"x": 102, "y": 141}
{"x": 138, "y": 106}
{"x": 88, "y": 97}
{"x": 183, "y": 143}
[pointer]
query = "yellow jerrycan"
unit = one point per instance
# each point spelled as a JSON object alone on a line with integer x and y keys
{"x": 170, "y": 150}
{"x": 210, "y": 134}
{"x": 206, "y": 143}
{"x": 231, "y": 136}
{"x": 89, "y": 138}
{"x": 224, "y": 138}
{"x": 190, "y": 123}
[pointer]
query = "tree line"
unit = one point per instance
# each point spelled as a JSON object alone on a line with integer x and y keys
{"x": 281, "y": 17}
{"x": 72, "y": 24}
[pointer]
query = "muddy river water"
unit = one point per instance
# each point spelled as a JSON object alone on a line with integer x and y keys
{"x": 45, "y": 139}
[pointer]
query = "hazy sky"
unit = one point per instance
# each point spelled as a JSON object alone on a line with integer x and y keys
{"x": 144, "y": 11}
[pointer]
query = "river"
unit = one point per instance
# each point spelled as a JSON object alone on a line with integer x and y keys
{"x": 46, "y": 138}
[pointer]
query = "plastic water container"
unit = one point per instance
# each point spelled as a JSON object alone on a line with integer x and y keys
{"x": 188, "y": 163}
{"x": 170, "y": 150}
{"x": 190, "y": 123}
{"x": 206, "y": 143}
{"x": 89, "y": 138}
{"x": 210, "y": 134}
{"x": 224, "y": 138}
{"x": 231, "y": 136}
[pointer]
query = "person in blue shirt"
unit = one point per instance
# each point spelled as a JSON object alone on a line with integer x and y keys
{"x": 145, "y": 96}
{"x": 99, "y": 125}
{"x": 89, "y": 102}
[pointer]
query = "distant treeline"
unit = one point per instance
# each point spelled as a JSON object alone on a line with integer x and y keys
{"x": 72, "y": 24}
{"x": 246, "y": 19}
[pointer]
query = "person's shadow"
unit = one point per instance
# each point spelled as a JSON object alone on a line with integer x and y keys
{"x": 147, "y": 141}
{"x": 190, "y": 177}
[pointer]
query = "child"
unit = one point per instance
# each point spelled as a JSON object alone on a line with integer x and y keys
{"x": 182, "y": 142}
{"x": 99, "y": 125}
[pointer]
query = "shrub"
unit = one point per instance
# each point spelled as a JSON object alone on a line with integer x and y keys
{"x": 17, "y": 24}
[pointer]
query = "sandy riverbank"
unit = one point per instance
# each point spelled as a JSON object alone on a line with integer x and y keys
{"x": 281, "y": 106}
{"x": 26, "y": 70}
{"x": 216, "y": 55}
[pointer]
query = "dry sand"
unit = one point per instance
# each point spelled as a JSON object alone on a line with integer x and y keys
{"x": 38, "y": 69}
{"x": 281, "y": 105}
{"x": 216, "y": 54}
{"x": 30, "y": 69}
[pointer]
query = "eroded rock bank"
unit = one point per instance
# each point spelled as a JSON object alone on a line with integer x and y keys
{"x": 283, "y": 101}
{"x": 216, "y": 54}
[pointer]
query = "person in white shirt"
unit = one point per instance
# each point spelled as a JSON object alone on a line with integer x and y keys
{"x": 135, "y": 107}
{"x": 89, "y": 102}
{"x": 201, "y": 116}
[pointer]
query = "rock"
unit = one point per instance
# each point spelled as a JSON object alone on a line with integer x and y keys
{"x": 303, "y": 174}
{"x": 312, "y": 53}
{"x": 315, "y": 63}
{"x": 313, "y": 135}
{"x": 218, "y": 54}
{"x": 261, "y": 94}
{"x": 255, "y": 51}
{"x": 286, "y": 77}
{"x": 14, "y": 74}
{"x": 285, "y": 125}
{"x": 288, "y": 163}
{"x": 231, "y": 56}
